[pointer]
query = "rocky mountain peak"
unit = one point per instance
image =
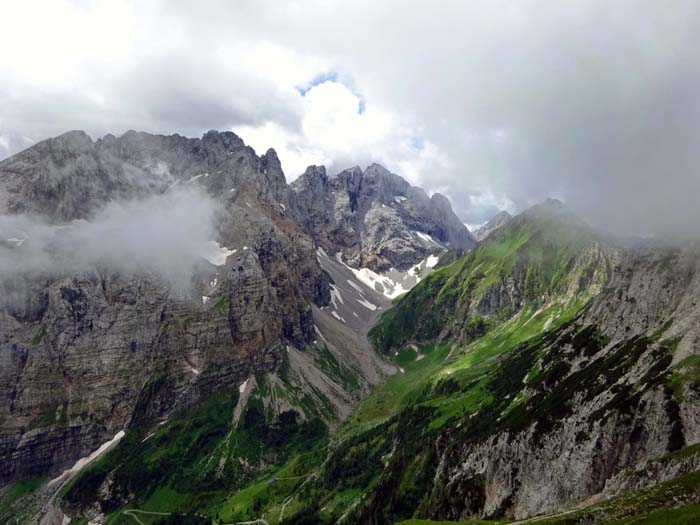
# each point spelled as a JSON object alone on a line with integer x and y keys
{"x": 60, "y": 149}
{"x": 553, "y": 209}
{"x": 77, "y": 139}
{"x": 313, "y": 176}
{"x": 497, "y": 221}
{"x": 501, "y": 217}
{"x": 271, "y": 168}
{"x": 351, "y": 179}
{"x": 379, "y": 179}
{"x": 376, "y": 218}
{"x": 228, "y": 139}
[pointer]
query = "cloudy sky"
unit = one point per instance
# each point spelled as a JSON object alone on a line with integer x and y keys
{"x": 496, "y": 104}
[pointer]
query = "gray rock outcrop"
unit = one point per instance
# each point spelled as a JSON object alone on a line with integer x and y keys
{"x": 376, "y": 218}
{"x": 82, "y": 355}
{"x": 494, "y": 223}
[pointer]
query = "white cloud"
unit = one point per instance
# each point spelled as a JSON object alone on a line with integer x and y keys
{"x": 56, "y": 44}
{"x": 486, "y": 199}
{"x": 339, "y": 130}
{"x": 168, "y": 234}
{"x": 333, "y": 119}
{"x": 499, "y": 103}
{"x": 285, "y": 67}
{"x": 294, "y": 152}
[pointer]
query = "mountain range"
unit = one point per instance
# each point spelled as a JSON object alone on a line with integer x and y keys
{"x": 340, "y": 349}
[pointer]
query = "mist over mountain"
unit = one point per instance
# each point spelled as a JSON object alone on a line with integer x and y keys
{"x": 166, "y": 234}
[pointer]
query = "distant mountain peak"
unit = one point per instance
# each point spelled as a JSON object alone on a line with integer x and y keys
{"x": 493, "y": 224}
{"x": 75, "y": 140}
{"x": 376, "y": 167}
{"x": 554, "y": 209}
{"x": 376, "y": 218}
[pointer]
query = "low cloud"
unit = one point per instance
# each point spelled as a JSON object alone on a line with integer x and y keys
{"x": 167, "y": 234}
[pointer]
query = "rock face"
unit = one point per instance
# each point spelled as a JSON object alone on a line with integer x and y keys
{"x": 85, "y": 354}
{"x": 615, "y": 394}
{"x": 376, "y": 218}
{"x": 498, "y": 220}
{"x": 79, "y": 353}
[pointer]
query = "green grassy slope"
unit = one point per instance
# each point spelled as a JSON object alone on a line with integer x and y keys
{"x": 16, "y": 500}
{"x": 544, "y": 260}
{"x": 194, "y": 462}
{"x": 384, "y": 453}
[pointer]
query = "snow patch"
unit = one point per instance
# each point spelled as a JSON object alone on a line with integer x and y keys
{"x": 320, "y": 334}
{"x": 548, "y": 323}
{"x": 356, "y": 286}
{"x": 335, "y": 314}
{"x": 204, "y": 299}
{"x": 242, "y": 386}
{"x": 16, "y": 241}
{"x": 399, "y": 199}
{"x": 427, "y": 238}
{"x": 388, "y": 287}
{"x": 364, "y": 302}
{"x": 391, "y": 284}
{"x": 83, "y": 462}
{"x": 431, "y": 261}
{"x": 335, "y": 296}
{"x": 217, "y": 254}
{"x": 197, "y": 177}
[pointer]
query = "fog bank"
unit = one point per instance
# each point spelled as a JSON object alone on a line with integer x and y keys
{"x": 167, "y": 234}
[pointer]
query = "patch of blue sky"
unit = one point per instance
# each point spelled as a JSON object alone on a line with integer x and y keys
{"x": 332, "y": 76}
